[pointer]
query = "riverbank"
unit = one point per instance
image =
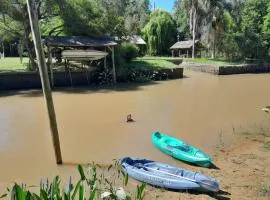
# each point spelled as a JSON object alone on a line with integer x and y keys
{"x": 31, "y": 80}
{"x": 227, "y": 69}
{"x": 243, "y": 171}
{"x": 137, "y": 71}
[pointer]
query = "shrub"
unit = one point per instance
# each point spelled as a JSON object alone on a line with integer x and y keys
{"x": 129, "y": 51}
{"x": 91, "y": 185}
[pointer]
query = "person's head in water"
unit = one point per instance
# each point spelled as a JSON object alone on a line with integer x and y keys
{"x": 129, "y": 118}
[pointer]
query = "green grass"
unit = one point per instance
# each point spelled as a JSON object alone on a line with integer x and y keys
{"x": 216, "y": 62}
{"x": 150, "y": 62}
{"x": 13, "y": 64}
{"x": 264, "y": 190}
{"x": 266, "y": 146}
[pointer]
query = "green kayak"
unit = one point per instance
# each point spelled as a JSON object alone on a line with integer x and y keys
{"x": 180, "y": 150}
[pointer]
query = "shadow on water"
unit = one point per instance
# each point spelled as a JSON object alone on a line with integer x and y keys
{"x": 121, "y": 87}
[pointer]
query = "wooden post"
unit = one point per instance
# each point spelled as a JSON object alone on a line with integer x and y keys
{"x": 70, "y": 76}
{"x": 50, "y": 65}
{"x": 114, "y": 72}
{"x": 3, "y": 54}
{"x": 105, "y": 65}
{"x": 44, "y": 79}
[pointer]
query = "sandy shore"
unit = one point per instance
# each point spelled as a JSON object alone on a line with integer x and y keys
{"x": 243, "y": 171}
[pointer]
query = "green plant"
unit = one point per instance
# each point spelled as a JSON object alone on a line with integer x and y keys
{"x": 266, "y": 146}
{"x": 264, "y": 190}
{"x": 129, "y": 51}
{"x": 91, "y": 185}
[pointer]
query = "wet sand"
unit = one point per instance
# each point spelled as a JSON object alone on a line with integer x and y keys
{"x": 202, "y": 109}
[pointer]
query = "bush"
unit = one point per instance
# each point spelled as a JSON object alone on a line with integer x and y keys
{"x": 91, "y": 185}
{"x": 129, "y": 51}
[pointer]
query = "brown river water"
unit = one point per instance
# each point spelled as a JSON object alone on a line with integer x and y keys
{"x": 202, "y": 109}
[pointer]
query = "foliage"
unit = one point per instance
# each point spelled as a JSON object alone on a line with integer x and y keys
{"x": 129, "y": 51}
{"x": 266, "y": 24}
{"x": 145, "y": 70}
{"x": 253, "y": 15}
{"x": 91, "y": 185}
{"x": 227, "y": 43}
{"x": 160, "y": 32}
{"x": 181, "y": 17}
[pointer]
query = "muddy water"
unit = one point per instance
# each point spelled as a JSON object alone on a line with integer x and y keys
{"x": 203, "y": 109}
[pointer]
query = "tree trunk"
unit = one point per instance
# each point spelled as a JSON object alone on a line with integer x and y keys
{"x": 194, "y": 30}
{"x": 3, "y": 53}
{"x": 31, "y": 54}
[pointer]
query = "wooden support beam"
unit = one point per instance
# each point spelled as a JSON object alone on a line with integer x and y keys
{"x": 50, "y": 65}
{"x": 32, "y": 12}
{"x": 114, "y": 71}
{"x": 105, "y": 64}
{"x": 70, "y": 76}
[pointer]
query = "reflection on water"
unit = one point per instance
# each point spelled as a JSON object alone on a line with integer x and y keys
{"x": 92, "y": 124}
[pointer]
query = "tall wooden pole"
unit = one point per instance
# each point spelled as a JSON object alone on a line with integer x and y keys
{"x": 32, "y": 12}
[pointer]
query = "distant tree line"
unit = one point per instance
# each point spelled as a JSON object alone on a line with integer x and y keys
{"x": 232, "y": 29}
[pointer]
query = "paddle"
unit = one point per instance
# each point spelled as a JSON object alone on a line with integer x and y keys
{"x": 203, "y": 185}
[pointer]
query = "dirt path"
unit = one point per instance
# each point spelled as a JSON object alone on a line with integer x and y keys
{"x": 244, "y": 171}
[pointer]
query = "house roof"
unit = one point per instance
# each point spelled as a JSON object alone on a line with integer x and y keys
{"x": 78, "y": 41}
{"x": 134, "y": 39}
{"x": 137, "y": 40}
{"x": 183, "y": 44}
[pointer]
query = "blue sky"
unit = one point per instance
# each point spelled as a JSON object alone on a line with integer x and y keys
{"x": 164, "y": 4}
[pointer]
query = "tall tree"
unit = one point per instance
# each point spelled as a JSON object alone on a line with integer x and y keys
{"x": 252, "y": 42}
{"x": 15, "y": 13}
{"x": 266, "y": 23}
{"x": 160, "y": 32}
{"x": 215, "y": 20}
{"x": 180, "y": 14}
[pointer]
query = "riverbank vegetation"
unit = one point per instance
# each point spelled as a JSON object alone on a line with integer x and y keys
{"x": 95, "y": 183}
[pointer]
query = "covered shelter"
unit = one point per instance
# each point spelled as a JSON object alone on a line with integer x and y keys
{"x": 137, "y": 40}
{"x": 79, "y": 48}
{"x": 184, "y": 48}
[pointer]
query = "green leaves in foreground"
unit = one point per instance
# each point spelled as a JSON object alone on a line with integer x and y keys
{"x": 90, "y": 186}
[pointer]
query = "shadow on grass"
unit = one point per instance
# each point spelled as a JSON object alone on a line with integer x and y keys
{"x": 121, "y": 87}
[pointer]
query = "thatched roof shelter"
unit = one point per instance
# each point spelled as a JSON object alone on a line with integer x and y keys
{"x": 184, "y": 48}
{"x": 183, "y": 44}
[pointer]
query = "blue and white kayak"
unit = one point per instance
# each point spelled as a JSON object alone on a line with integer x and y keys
{"x": 166, "y": 176}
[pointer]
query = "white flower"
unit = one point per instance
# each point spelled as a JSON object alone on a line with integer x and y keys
{"x": 105, "y": 195}
{"x": 120, "y": 193}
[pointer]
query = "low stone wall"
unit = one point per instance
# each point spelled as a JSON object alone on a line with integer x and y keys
{"x": 228, "y": 70}
{"x": 251, "y": 68}
{"x": 31, "y": 80}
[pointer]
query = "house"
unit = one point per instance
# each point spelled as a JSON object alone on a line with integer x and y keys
{"x": 184, "y": 48}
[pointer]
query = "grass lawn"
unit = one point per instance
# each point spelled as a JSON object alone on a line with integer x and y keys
{"x": 13, "y": 64}
{"x": 151, "y": 62}
{"x": 216, "y": 62}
